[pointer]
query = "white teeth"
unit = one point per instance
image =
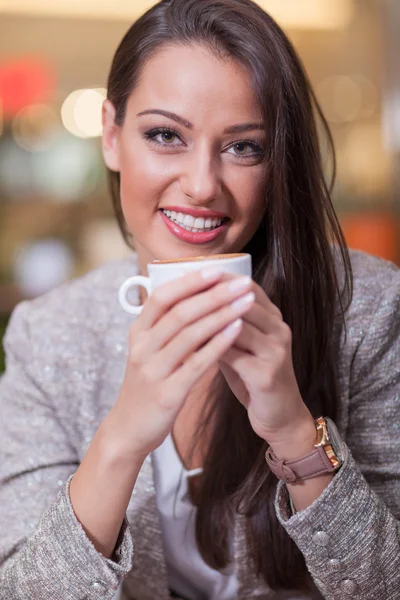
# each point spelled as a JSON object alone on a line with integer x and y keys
{"x": 191, "y": 224}
{"x": 189, "y": 221}
{"x": 199, "y": 223}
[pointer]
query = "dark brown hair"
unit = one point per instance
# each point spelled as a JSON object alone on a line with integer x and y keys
{"x": 299, "y": 258}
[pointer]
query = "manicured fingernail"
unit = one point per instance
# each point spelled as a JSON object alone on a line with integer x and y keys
{"x": 211, "y": 273}
{"x": 239, "y": 284}
{"x": 232, "y": 329}
{"x": 244, "y": 301}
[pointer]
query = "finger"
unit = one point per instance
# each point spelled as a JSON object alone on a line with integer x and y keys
{"x": 168, "y": 294}
{"x": 203, "y": 359}
{"x": 261, "y": 318}
{"x": 192, "y": 309}
{"x": 251, "y": 340}
{"x": 250, "y": 369}
{"x": 196, "y": 335}
{"x": 263, "y": 300}
{"x": 261, "y": 297}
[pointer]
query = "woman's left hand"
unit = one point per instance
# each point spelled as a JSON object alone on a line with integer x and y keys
{"x": 259, "y": 371}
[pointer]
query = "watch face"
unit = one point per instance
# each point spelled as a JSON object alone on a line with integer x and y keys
{"x": 335, "y": 439}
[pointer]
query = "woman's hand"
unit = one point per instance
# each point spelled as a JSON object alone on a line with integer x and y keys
{"x": 259, "y": 370}
{"x": 179, "y": 335}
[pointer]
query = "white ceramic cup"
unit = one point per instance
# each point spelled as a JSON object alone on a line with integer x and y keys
{"x": 161, "y": 272}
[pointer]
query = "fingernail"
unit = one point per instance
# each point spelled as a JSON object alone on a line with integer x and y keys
{"x": 239, "y": 284}
{"x": 244, "y": 301}
{"x": 211, "y": 273}
{"x": 232, "y": 329}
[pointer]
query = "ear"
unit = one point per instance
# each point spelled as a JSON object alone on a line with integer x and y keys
{"x": 110, "y": 141}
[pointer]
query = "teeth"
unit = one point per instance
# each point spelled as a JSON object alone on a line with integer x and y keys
{"x": 189, "y": 221}
{"x": 199, "y": 223}
{"x": 191, "y": 224}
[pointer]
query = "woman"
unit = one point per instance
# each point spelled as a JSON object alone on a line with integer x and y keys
{"x": 156, "y": 441}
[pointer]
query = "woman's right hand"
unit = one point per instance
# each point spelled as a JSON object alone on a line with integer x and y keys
{"x": 185, "y": 327}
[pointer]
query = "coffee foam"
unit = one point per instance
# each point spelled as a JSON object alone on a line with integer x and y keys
{"x": 197, "y": 259}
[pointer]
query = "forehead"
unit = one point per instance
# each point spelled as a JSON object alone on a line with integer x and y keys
{"x": 197, "y": 84}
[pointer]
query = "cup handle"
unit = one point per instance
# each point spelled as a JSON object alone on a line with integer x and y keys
{"x": 124, "y": 289}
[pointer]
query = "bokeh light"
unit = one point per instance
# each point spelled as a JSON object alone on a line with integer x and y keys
{"x": 34, "y": 127}
{"x": 81, "y": 112}
{"x": 24, "y": 81}
{"x": 346, "y": 98}
{"x": 42, "y": 266}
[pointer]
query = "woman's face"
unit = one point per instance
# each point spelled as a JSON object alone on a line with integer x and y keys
{"x": 193, "y": 143}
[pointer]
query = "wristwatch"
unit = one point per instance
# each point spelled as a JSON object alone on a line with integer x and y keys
{"x": 327, "y": 456}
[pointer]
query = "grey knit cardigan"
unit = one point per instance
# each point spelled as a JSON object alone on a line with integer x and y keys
{"x": 66, "y": 355}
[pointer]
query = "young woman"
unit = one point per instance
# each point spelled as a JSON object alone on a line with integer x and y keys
{"x": 178, "y": 454}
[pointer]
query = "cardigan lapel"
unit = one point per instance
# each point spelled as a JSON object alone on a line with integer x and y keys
{"x": 249, "y": 585}
{"x": 148, "y": 579}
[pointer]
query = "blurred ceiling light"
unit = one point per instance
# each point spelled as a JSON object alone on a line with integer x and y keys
{"x": 369, "y": 96}
{"x": 81, "y": 112}
{"x": 34, "y": 127}
{"x": 101, "y": 9}
{"x": 364, "y": 164}
{"x": 345, "y": 98}
{"x": 310, "y": 14}
{"x": 299, "y": 14}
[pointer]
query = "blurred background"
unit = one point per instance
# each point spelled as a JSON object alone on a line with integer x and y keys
{"x": 55, "y": 214}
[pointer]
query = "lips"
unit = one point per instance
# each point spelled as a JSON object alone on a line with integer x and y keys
{"x": 193, "y": 224}
{"x": 201, "y": 237}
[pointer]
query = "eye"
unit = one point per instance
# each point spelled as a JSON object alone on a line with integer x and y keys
{"x": 168, "y": 137}
{"x": 241, "y": 149}
{"x": 163, "y": 136}
{"x": 246, "y": 150}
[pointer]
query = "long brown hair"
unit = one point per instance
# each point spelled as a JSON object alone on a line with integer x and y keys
{"x": 298, "y": 253}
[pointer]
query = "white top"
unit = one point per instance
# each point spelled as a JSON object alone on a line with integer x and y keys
{"x": 188, "y": 575}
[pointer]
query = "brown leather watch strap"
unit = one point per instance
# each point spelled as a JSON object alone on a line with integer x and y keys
{"x": 314, "y": 464}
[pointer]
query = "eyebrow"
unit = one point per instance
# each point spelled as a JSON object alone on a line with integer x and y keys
{"x": 242, "y": 128}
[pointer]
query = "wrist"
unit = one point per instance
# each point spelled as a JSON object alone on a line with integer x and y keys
{"x": 295, "y": 442}
{"x": 117, "y": 443}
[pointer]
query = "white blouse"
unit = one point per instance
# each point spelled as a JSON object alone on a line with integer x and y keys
{"x": 188, "y": 575}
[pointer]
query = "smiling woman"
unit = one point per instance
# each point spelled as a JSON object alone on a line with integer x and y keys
{"x": 193, "y": 452}
{"x": 200, "y": 134}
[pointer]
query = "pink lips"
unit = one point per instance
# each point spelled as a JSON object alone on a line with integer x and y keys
{"x": 188, "y": 236}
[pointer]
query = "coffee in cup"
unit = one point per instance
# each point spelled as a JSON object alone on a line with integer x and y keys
{"x": 196, "y": 259}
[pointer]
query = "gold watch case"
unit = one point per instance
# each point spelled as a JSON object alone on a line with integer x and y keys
{"x": 328, "y": 438}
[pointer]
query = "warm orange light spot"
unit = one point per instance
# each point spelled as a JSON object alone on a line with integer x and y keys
{"x": 24, "y": 81}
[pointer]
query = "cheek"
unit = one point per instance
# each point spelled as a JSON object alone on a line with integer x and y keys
{"x": 248, "y": 190}
{"x": 142, "y": 173}
{"x": 144, "y": 178}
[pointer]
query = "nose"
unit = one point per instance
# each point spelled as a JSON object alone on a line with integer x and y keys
{"x": 200, "y": 180}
